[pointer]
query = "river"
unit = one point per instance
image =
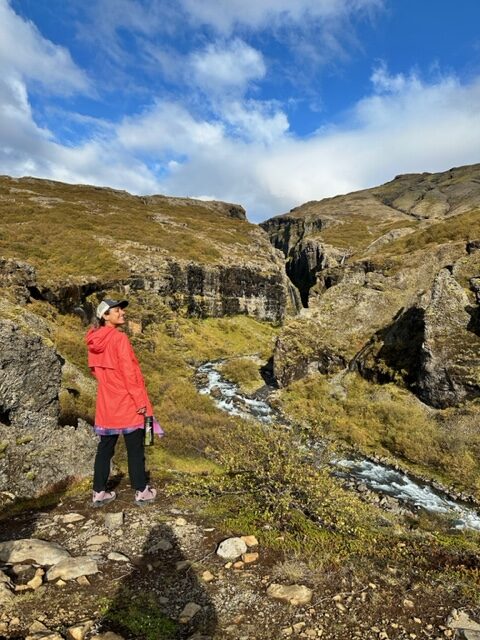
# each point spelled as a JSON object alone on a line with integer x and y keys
{"x": 375, "y": 476}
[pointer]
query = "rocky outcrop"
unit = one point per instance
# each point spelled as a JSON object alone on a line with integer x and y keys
{"x": 395, "y": 299}
{"x": 36, "y": 454}
{"x": 450, "y": 352}
{"x": 202, "y": 257}
{"x": 30, "y": 375}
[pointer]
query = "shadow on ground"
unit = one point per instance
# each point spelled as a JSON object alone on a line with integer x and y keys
{"x": 150, "y": 600}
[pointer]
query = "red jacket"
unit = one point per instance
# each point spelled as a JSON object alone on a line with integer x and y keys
{"x": 121, "y": 388}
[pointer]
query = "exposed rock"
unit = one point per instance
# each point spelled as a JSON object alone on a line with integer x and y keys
{"x": 450, "y": 350}
{"x": 79, "y": 630}
{"x": 39, "y": 551}
{"x": 118, "y": 557}
{"x": 294, "y": 594}
{"x": 17, "y": 276}
{"x": 231, "y": 548}
{"x": 188, "y": 612}
{"x": 72, "y": 568}
{"x": 30, "y": 375}
{"x": 250, "y": 541}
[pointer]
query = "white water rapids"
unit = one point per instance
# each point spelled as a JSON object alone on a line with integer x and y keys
{"x": 377, "y": 477}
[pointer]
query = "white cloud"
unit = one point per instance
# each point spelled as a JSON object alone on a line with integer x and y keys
{"x": 255, "y": 121}
{"x": 168, "y": 127}
{"x": 257, "y": 14}
{"x": 225, "y": 67}
{"x": 24, "y": 51}
{"x": 414, "y": 127}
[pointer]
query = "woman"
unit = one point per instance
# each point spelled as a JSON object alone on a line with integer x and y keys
{"x": 122, "y": 402}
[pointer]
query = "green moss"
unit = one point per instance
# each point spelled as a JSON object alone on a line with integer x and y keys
{"x": 244, "y": 372}
{"x": 139, "y": 614}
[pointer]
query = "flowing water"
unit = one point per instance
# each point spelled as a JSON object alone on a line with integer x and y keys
{"x": 376, "y": 476}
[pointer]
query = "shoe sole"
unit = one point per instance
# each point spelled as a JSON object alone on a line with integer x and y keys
{"x": 143, "y": 503}
{"x": 101, "y": 503}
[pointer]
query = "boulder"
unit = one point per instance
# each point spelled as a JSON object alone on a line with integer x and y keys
{"x": 30, "y": 375}
{"x": 71, "y": 568}
{"x": 231, "y": 548}
{"x": 450, "y": 355}
{"x": 38, "y": 551}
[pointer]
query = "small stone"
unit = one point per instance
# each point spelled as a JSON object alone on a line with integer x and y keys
{"x": 294, "y": 594}
{"x": 231, "y": 548}
{"x": 408, "y": 604}
{"x": 83, "y": 581}
{"x": 181, "y": 522}
{"x": 80, "y": 630}
{"x": 228, "y": 565}
{"x": 72, "y": 568}
{"x": 341, "y": 607}
{"x": 71, "y": 518}
{"x": 109, "y": 635}
{"x": 40, "y": 551}
{"x": 60, "y": 583}
{"x": 182, "y": 565}
{"x": 250, "y": 541}
{"x": 248, "y": 558}
{"x": 98, "y": 540}
{"x": 37, "y": 626}
{"x": 238, "y": 565}
{"x": 287, "y": 632}
{"x": 189, "y": 611}
{"x": 207, "y": 576}
{"x": 35, "y": 582}
{"x": 299, "y": 626}
{"x": 114, "y": 520}
{"x": 117, "y": 557}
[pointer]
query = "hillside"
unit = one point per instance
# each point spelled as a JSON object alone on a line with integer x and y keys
{"x": 383, "y": 362}
{"x": 202, "y": 256}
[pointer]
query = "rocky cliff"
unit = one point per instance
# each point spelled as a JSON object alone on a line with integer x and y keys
{"x": 73, "y": 240}
{"x": 390, "y": 279}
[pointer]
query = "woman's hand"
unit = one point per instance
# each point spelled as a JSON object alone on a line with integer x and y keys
{"x": 142, "y": 410}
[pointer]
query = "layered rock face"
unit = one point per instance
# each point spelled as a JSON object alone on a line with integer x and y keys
{"x": 203, "y": 257}
{"x": 391, "y": 279}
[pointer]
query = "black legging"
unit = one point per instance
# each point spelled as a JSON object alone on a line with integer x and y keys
{"x": 136, "y": 460}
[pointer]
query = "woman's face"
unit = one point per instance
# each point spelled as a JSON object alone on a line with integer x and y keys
{"x": 114, "y": 317}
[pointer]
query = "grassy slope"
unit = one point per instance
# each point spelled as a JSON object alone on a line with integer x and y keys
{"x": 70, "y": 231}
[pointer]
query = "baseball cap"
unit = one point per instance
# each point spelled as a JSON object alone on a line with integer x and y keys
{"x": 107, "y": 304}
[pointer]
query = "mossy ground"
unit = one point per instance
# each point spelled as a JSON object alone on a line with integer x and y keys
{"x": 391, "y": 421}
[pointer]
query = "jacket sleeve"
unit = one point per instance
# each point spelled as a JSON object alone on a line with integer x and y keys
{"x": 130, "y": 372}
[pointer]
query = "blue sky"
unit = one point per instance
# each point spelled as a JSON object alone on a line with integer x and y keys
{"x": 269, "y": 103}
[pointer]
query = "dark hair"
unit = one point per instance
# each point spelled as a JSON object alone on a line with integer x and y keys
{"x": 100, "y": 322}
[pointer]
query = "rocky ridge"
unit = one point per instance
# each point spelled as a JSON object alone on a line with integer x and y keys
{"x": 72, "y": 241}
{"x": 390, "y": 279}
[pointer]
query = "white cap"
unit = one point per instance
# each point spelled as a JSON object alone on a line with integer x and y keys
{"x": 107, "y": 304}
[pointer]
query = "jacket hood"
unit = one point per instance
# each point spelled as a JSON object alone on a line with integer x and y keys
{"x": 100, "y": 353}
{"x": 97, "y": 339}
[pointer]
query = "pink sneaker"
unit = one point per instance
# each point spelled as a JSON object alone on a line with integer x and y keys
{"x": 145, "y": 497}
{"x": 103, "y": 497}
